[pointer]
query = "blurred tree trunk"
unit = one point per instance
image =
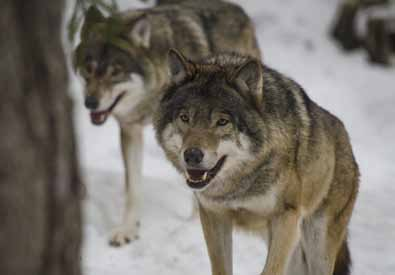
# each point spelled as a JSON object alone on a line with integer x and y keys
{"x": 40, "y": 219}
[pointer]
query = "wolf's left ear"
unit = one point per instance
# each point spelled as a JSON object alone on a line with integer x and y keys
{"x": 141, "y": 32}
{"x": 179, "y": 66}
{"x": 249, "y": 80}
{"x": 92, "y": 16}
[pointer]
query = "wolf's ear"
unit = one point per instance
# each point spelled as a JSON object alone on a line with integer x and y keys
{"x": 141, "y": 32}
{"x": 179, "y": 66}
{"x": 92, "y": 16}
{"x": 249, "y": 80}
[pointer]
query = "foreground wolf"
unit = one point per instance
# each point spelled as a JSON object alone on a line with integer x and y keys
{"x": 260, "y": 155}
{"x": 123, "y": 60}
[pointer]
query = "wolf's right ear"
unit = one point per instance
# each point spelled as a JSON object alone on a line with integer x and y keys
{"x": 179, "y": 66}
{"x": 141, "y": 32}
{"x": 92, "y": 16}
{"x": 248, "y": 79}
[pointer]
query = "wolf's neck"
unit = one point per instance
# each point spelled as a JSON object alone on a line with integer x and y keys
{"x": 142, "y": 112}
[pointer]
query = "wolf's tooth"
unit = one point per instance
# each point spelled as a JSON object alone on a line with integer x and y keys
{"x": 205, "y": 175}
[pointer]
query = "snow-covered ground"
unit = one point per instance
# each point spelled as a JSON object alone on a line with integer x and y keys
{"x": 293, "y": 38}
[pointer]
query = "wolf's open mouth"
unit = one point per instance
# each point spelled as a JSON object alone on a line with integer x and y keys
{"x": 198, "y": 178}
{"x": 98, "y": 118}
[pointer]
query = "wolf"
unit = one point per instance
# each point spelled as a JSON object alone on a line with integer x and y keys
{"x": 122, "y": 60}
{"x": 260, "y": 156}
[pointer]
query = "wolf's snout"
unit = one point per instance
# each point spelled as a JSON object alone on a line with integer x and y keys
{"x": 193, "y": 156}
{"x": 91, "y": 102}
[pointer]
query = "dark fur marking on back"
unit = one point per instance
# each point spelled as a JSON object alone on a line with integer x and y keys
{"x": 343, "y": 260}
{"x": 207, "y": 21}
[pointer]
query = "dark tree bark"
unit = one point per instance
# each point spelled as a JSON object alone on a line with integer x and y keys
{"x": 40, "y": 219}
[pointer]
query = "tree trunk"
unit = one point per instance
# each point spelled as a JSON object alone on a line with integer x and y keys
{"x": 40, "y": 218}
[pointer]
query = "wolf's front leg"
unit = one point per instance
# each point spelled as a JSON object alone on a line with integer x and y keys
{"x": 132, "y": 147}
{"x": 284, "y": 235}
{"x": 217, "y": 229}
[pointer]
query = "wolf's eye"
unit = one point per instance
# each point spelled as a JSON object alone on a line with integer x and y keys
{"x": 89, "y": 68}
{"x": 88, "y": 58}
{"x": 115, "y": 72}
{"x": 184, "y": 118}
{"x": 222, "y": 122}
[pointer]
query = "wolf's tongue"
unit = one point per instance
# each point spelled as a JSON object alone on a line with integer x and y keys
{"x": 195, "y": 174}
{"x": 99, "y": 117}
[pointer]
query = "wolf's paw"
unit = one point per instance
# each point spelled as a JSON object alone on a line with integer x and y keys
{"x": 123, "y": 235}
{"x": 194, "y": 213}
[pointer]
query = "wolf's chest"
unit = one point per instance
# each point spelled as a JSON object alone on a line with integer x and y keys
{"x": 262, "y": 205}
{"x": 250, "y": 222}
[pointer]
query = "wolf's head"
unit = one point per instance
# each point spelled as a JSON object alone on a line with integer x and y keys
{"x": 208, "y": 121}
{"x": 111, "y": 62}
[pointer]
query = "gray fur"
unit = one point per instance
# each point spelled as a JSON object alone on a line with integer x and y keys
{"x": 123, "y": 59}
{"x": 294, "y": 175}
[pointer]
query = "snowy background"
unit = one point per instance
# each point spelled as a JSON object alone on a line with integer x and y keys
{"x": 293, "y": 38}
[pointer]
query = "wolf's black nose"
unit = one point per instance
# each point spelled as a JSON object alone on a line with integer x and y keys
{"x": 193, "y": 156}
{"x": 91, "y": 102}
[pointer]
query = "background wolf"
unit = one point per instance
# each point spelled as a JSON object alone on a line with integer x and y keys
{"x": 122, "y": 60}
{"x": 262, "y": 156}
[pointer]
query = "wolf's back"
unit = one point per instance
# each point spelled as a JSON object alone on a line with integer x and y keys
{"x": 226, "y": 27}
{"x": 168, "y": 2}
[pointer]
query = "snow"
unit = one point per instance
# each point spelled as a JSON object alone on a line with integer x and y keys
{"x": 293, "y": 38}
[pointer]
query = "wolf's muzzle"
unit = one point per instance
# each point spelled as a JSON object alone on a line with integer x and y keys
{"x": 91, "y": 102}
{"x": 193, "y": 156}
{"x": 199, "y": 178}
